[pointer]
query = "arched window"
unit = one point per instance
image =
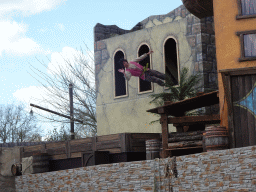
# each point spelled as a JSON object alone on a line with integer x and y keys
{"x": 120, "y": 83}
{"x": 171, "y": 60}
{"x": 144, "y": 85}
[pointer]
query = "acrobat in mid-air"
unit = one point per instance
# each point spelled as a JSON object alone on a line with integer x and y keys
{"x": 133, "y": 68}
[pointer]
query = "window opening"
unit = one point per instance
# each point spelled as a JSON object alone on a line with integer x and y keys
{"x": 248, "y": 7}
{"x": 248, "y": 45}
{"x": 171, "y": 62}
{"x": 120, "y": 83}
{"x": 144, "y": 85}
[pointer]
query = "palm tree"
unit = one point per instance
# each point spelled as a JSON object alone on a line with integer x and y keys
{"x": 185, "y": 89}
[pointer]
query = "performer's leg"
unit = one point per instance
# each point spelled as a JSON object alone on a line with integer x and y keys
{"x": 156, "y": 74}
{"x": 154, "y": 80}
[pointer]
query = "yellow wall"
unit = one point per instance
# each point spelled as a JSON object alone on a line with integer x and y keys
{"x": 227, "y": 42}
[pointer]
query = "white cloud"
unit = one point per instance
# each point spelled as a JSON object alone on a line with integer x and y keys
{"x": 32, "y": 94}
{"x": 14, "y": 41}
{"x": 27, "y": 7}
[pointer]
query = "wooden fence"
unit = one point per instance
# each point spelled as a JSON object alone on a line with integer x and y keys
{"x": 115, "y": 143}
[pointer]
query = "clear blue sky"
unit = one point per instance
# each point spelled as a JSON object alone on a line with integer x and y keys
{"x": 42, "y": 28}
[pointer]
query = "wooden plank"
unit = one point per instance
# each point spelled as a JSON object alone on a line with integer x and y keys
{"x": 68, "y": 153}
{"x": 80, "y": 141}
{"x": 43, "y": 148}
{"x": 56, "y": 157}
{"x": 239, "y": 7}
{"x": 57, "y": 151}
{"x": 185, "y": 144}
{"x": 186, "y": 138}
{"x": 122, "y": 139}
{"x": 75, "y": 155}
{"x": 178, "y": 108}
{"x": 185, "y": 134}
{"x": 228, "y": 97}
{"x": 81, "y": 147}
{"x": 243, "y": 128}
{"x": 160, "y": 110}
{"x": 246, "y": 32}
{"x": 238, "y": 71}
{"x": 236, "y": 96}
{"x": 30, "y": 153}
{"x": 94, "y": 143}
{"x": 253, "y": 122}
{"x": 247, "y": 87}
{"x": 140, "y": 143}
{"x": 173, "y": 149}
{"x": 107, "y": 137}
{"x": 32, "y": 148}
{"x": 113, "y": 150}
{"x": 108, "y": 144}
{"x": 188, "y": 120}
{"x": 128, "y": 142}
{"x": 165, "y": 133}
{"x": 56, "y": 144}
{"x": 145, "y": 136}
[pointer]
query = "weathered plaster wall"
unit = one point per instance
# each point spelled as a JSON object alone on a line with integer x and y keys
{"x": 227, "y": 42}
{"x": 196, "y": 50}
{"x": 225, "y": 170}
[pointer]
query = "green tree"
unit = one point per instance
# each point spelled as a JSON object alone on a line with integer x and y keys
{"x": 187, "y": 88}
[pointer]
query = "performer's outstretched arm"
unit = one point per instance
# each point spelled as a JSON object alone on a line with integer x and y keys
{"x": 142, "y": 57}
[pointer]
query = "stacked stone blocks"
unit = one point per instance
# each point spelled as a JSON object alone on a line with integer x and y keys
{"x": 224, "y": 170}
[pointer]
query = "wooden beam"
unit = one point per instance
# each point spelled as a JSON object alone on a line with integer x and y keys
{"x": 186, "y": 138}
{"x": 178, "y": 108}
{"x": 185, "y": 144}
{"x": 186, "y": 120}
{"x": 192, "y": 133}
{"x": 165, "y": 133}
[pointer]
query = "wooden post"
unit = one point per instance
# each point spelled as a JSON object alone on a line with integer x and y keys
{"x": 165, "y": 133}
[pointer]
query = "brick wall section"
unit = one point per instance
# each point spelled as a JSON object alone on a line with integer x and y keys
{"x": 225, "y": 170}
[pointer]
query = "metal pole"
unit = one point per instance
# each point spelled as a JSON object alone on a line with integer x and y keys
{"x": 54, "y": 112}
{"x": 71, "y": 111}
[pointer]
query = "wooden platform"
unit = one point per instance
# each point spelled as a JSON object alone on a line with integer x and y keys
{"x": 192, "y": 124}
{"x": 115, "y": 143}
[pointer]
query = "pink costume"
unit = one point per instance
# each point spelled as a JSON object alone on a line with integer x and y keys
{"x": 135, "y": 69}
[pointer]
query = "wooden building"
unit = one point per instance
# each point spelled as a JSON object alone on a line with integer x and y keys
{"x": 235, "y": 36}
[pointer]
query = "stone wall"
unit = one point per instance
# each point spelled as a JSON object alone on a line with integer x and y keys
{"x": 225, "y": 170}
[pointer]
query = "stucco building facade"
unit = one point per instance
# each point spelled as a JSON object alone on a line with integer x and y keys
{"x": 178, "y": 39}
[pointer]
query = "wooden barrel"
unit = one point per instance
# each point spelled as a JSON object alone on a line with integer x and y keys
{"x": 16, "y": 169}
{"x": 216, "y": 138}
{"x": 153, "y": 148}
{"x": 40, "y": 162}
